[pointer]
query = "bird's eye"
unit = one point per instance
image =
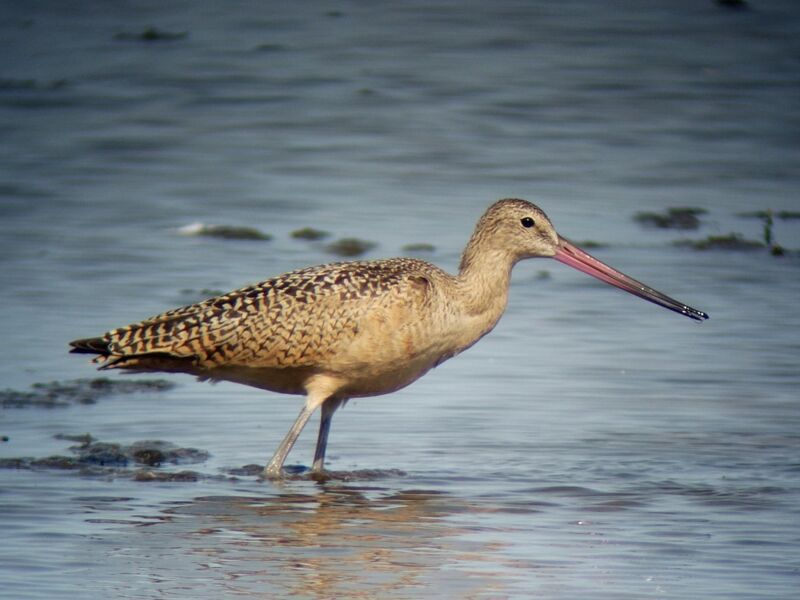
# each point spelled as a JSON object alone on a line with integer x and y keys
{"x": 527, "y": 222}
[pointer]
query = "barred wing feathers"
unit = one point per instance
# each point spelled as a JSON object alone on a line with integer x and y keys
{"x": 296, "y": 319}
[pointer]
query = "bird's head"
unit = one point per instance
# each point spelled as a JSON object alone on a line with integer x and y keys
{"x": 514, "y": 229}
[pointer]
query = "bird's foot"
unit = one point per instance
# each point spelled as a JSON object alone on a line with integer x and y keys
{"x": 278, "y": 473}
{"x": 272, "y": 472}
{"x": 320, "y": 475}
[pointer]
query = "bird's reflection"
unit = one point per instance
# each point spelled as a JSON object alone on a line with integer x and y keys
{"x": 337, "y": 541}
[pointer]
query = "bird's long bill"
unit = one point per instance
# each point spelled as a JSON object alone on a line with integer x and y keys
{"x": 569, "y": 254}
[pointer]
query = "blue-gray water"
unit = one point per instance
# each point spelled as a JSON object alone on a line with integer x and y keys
{"x": 593, "y": 445}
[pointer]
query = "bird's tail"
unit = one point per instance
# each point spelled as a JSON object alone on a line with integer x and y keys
{"x": 149, "y": 361}
{"x": 95, "y": 345}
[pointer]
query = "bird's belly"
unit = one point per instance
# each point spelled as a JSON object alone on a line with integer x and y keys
{"x": 357, "y": 380}
{"x": 377, "y": 379}
{"x": 369, "y": 366}
{"x": 286, "y": 380}
{"x": 389, "y": 366}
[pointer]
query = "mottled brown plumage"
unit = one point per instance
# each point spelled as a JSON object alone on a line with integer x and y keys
{"x": 305, "y": 319}
{"x": 342, "y": 330}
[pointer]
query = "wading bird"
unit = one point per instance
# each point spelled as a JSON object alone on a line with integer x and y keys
{"x": 352, "y": 329}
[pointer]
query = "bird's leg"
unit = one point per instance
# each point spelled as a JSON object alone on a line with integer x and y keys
{"x": 328, "y": 408}
{"x": 274, "y": 468}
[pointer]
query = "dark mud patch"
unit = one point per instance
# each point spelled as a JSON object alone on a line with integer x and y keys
{"x": 302, "y": 473}
{"x": 783, "y": 215}
{"x": 80, "y": 438}
{"x": 156, "y": 453}
{"x": 768, "y": 217}
{"x": 269, "y": 47}
{"x": 592, "y": 245}
{"x": 30, "y": 85}
{"x": 140, "y": 461}
{"x": 59, "y": 394}
{"x": 350, "y": 247}
{"x": 358, "y": 475}
{"x": 225, "y": 232}
{"x": 731, "y": 241}
{"x": 309, "y": 233}
{"x": 152, "y": 34}
{"x": 672, "y": 218}
{"x": 156, "y": 461}
{"x": 250, "y": 470}
{"x": 733, "y": 4}
{"x": 164, "y": 476}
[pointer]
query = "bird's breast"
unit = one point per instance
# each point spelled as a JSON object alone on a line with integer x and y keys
{"x": 383, "y": 359}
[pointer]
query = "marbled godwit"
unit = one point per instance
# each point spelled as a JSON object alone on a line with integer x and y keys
{"x": 354, "y": 329}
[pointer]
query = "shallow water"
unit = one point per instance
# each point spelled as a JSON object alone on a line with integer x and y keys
{"x": 593, "y": 444}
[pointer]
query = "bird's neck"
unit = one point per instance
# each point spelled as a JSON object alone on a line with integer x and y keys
{"x": 483, "y": 278}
